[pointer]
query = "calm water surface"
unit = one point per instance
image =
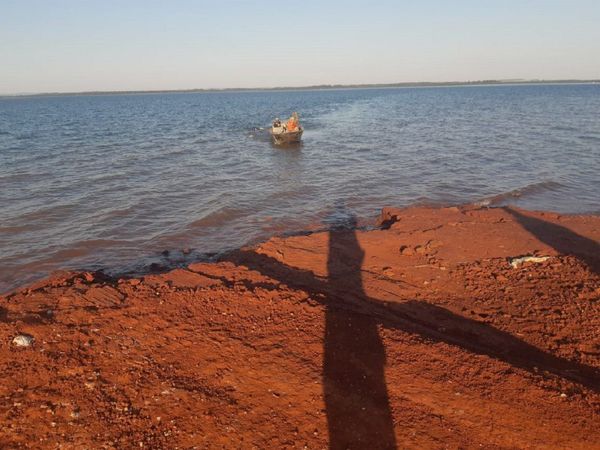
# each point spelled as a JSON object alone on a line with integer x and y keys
{"x": 113, "y": 181}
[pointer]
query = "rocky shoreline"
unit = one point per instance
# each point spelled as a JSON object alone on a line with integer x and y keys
{"x": 455, "y": 327}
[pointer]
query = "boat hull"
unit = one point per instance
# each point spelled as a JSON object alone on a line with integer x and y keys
{"x": 287, "y": 137}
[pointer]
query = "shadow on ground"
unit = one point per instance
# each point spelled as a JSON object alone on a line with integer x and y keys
{"x": 355, "y": 391}
{"x": 561, "y": 239}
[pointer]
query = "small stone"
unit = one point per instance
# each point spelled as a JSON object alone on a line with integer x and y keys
{"x": 563, "y": 395}
{"x": 406, "y": 250}
{"x": 23, "y": 340}
{"x": 134, "y": 281}
{"x": 516, "y": 262}
{"x": 89, "y": 277}
{"x": 432, "y": 244}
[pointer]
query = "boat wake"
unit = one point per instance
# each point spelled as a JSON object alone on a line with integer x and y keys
{"x": 260, "y": 134}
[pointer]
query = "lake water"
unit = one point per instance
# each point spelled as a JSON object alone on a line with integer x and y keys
{"x": 112, "y": 181}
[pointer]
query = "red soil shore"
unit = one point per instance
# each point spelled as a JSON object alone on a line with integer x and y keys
{"x": 419, "y": 335}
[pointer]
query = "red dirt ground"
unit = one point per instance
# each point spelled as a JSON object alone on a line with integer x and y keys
{"x": 419, "y": 335}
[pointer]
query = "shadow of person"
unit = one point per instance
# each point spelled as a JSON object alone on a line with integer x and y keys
{"x": 561, "y": 239}
{"x": 356, "y": 398}
{"x": 415, "y": 316}
{"x": 354, "y": 387}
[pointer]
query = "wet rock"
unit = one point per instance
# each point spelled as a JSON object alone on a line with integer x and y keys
{"x": 23, "y": 340}
{"x": 155, "y": 267}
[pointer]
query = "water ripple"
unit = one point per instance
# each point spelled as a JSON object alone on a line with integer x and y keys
{"x": 112, "y": 181}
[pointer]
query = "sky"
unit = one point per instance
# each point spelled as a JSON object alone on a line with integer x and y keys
{"x": 99, "y": 45}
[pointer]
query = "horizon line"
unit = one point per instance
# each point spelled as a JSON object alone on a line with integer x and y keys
{"x": 511, "y": 81}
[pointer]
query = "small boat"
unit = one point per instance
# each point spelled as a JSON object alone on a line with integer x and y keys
{"x": 281, "y": 135}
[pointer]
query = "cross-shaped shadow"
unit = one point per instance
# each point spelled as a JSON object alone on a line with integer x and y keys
{"x": 355, "y": 392}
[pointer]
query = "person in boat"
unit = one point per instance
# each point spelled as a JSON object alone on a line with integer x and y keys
{"x": 276, "y": 123}
{"x": 293, "y": 123}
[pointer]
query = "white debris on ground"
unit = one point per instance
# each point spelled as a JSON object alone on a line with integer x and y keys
{"x": 23, "y": 340}
{"x": 516, "y": 262}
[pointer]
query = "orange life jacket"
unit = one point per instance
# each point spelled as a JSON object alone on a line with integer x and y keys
{"x": 292, "y": 124}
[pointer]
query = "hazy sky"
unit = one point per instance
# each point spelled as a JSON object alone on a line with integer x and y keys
{"x": 81, "y": 45}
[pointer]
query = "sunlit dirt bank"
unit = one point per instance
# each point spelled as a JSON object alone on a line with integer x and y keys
{"x": 446, "y": 328}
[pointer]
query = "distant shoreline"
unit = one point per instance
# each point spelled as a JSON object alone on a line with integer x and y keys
{"x": 312, "y": 88}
